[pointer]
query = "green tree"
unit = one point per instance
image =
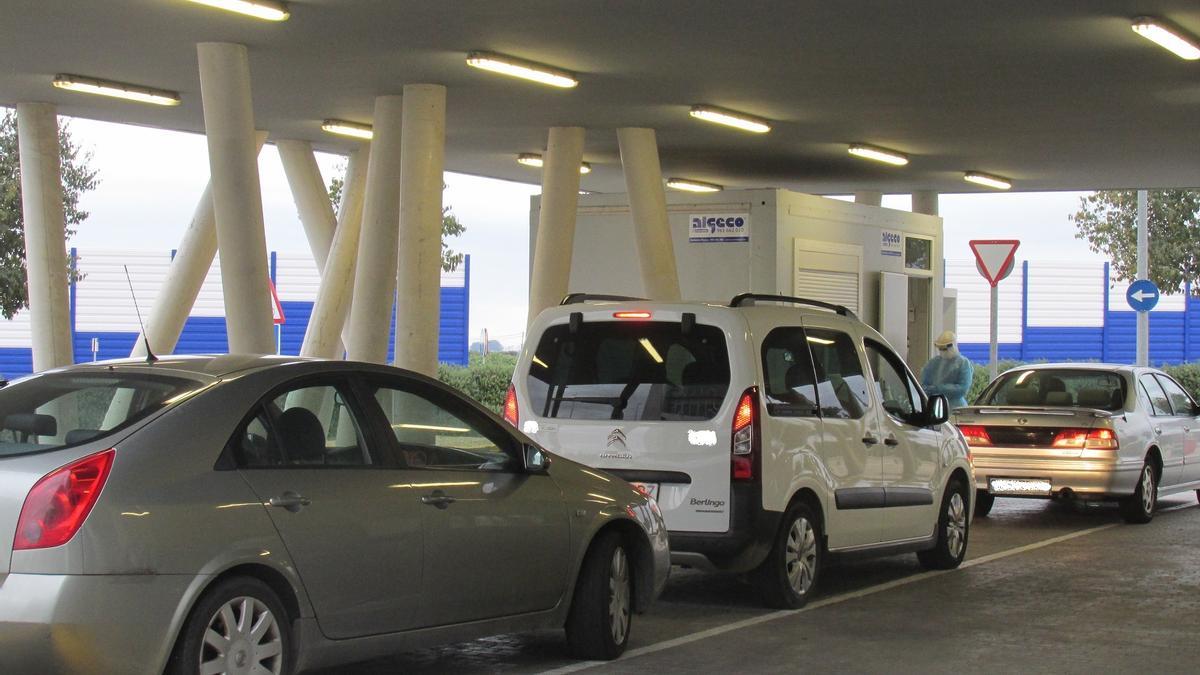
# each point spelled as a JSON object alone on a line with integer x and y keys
{"x": 1107, "y": 220}
{"x": 77, "y": 177}
{"x": 451, "y": 227}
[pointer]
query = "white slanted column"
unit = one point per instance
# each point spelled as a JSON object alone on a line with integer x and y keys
{"x": 236, "y": 196}
{"x": 310, "y": 195}
{"x": 869, "y": 197}
{"x": 375, "y": 273}
{"x": 648, "y": 202}
{"x": 189, "y": 267}
{"x": 419, "y": 270}
{"x": 556, "y": 220}
{"x": 925, "y": 201}
{"x": 337, "y": 280}
{"x": 45, "y": 235}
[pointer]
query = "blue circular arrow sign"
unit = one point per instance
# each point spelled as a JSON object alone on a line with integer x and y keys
{"x": 1142, "y": 295}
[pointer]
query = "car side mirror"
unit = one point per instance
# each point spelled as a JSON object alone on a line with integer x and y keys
{"x": 537, "y": 460}
{"x": 938, "y": 411}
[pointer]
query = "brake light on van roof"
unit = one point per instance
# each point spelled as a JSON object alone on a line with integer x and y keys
{"x": 1092, "y": 439}
{"x": 747, "y": 437}
{"x": 57, "y": 505}
{"x": 632, "y": 315}
{"x": 511, "y": 412}
{"x": 976, "y": 434}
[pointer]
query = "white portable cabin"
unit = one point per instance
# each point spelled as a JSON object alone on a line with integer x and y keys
{"x": 884, "y": 264}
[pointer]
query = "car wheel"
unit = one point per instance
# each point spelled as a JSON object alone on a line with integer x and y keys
{"x": 1138, "y": 507}
{"x": 953, "y": 526}
{"x": 238, "y": 626}
{"x": 984, "y": 501}
{"x": 602, "y": 610}
{"x": 788, "y": 577}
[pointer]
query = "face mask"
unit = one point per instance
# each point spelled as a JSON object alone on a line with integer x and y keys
{"x": 949, "y": 353}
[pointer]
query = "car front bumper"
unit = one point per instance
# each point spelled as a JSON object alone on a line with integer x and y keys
{"x": 1095, "y": 477}
{"x": 89, "y": 623}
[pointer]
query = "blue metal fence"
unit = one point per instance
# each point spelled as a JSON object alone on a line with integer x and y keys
{"x": 206, "y": 334}
{"x": 1174, "y": 335}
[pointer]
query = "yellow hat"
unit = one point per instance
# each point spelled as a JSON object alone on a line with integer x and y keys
{"x": 945, "y": 339}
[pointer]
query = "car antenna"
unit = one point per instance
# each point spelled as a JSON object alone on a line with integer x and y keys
{"x": 150, "y": 357}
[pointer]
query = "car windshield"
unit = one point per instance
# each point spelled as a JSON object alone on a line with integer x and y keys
{"x": 629, "y": 370}
{"x": 1059, "y": 387}
{"x": 57, "y": 410}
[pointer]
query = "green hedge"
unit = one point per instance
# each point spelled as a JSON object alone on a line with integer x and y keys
{"x": 485, "y": 380}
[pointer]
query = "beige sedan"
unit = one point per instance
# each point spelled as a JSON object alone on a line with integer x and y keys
{"x": 1083, "y": 431}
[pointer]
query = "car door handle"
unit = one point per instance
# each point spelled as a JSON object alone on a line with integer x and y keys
{"x": 439, "y": 499}
{"x": 892, "y": 441}
{"x": 870, "y": 440}
{"x": 1158, "y": 430}
{"x": 290, "y": 501}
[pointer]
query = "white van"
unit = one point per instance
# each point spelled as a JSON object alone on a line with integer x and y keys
{"x": 771, "y": 431}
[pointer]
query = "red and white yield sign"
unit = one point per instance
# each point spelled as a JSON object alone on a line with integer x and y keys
{"x": 277, "y": 316}
{"x": 995, "y": 258}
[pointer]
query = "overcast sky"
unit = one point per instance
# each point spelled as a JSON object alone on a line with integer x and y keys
{"x": 151, "y": 180}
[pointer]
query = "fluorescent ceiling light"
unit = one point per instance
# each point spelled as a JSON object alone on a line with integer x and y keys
{"x": 730, "y": 118}
{"x": 878, "y": 154}
{"x": 649, "y": 347}
{"x": 259, "y": 9}
{"x": 692, "y": 185}
{"x": 535, "y": 160}
{"x": 987, "y": 180}
{"x": 129, "y": 92}
{"x": 526, "y": 70}
{"x": 1169, "y": 38}
{"x": 344, "y": 128}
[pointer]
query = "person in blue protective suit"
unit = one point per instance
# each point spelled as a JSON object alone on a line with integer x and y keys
{"x": 949, "y": 373}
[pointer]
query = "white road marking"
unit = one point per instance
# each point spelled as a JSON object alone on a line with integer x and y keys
{"x": 852, "y": 595}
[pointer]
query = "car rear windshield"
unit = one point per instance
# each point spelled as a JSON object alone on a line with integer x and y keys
{"x": 57, "y": 410}
{"x": 1057, "y": 387}
{"x": 629, "y": 370}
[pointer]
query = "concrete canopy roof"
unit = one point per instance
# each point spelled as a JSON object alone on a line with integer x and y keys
{"x": 1055, "y": 95}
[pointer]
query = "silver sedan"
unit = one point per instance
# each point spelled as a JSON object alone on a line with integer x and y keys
{"x": 265, "y": 514}
{"x": 1087, "y": 431}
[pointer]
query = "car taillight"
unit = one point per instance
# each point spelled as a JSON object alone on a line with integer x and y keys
{"x": 746, "y": 436}
{"x": 58, "y": 504}
{"x": 1093, "y": 439}
{"x": 975, "y": 434}
{"x": 511, "y": 413}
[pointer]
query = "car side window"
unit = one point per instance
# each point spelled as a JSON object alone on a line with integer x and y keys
{"x": 1160, "y": 404}
{"x": 435, "y": 431}
{"x": 841, "y": 385}
{"x": 311, "y": 426}
{"x": 896, "y": 390}
{"x": 1181, "y": 403}
{"x": 790, "y": 382}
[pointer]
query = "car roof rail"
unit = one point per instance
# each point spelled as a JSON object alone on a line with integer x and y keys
{"x": 575, "y": 298}
{"x": 750, "y": 298}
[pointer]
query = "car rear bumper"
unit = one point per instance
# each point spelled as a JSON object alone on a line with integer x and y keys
{"x": 88, "y": 623}
{"x": 1082, "y": 476}
{"x": 743, "y": 546}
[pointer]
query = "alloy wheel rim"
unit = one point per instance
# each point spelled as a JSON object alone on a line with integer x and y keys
{"x": 619, "y": 595}
{"x": 1148, "y": 489}
{"x": 801, "y": 555}
{"x": 242, "y": 637}
{"x": 956, "y": 525}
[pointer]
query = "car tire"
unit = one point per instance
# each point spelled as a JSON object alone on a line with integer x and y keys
{"x": 601, "y": 613}
{"x": 984, "y": 501}
{"x": 789, "y": 575}
{"x": 1138, "y": 508}
{"x": 261, "y": 631}
{"x": 953, "y": 530}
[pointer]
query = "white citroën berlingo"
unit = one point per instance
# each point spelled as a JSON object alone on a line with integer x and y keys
{"x": 772, "y": 431}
